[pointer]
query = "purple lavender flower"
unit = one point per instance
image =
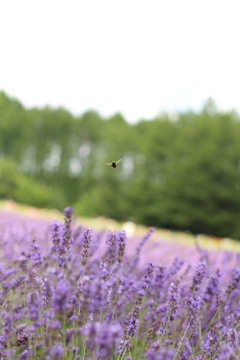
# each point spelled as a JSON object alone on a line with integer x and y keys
{"x": 75, "y": 297}
{"x": 102, "y": 338}
{"x": 55, "y": 232}
{"x": 96, "y": 292}
{"x": 149, "y": 337}
{"x": 148, "y": 275}
{"x": 108, "y": 339}
{"x": 18, "y": 312}
{"x": 20, "y": 328}
{"x": 36, "y": 254}
{"x": 8, "y": 321}
{"x": 46, "y": 292}
{"x": 140, "y": 296}
{"x": 57, "y": 351}
{"x": 24, "y": 355}
{"x": 111, "y": 241}
{"x": 8, "y": 273}
{"x": 3, "y": 341}
{"x": 186, "y": 350}
{"x": 87, "y": 238}
{"x": 232, "y": 335}
{"x": 176, "y": 266}
{"x": 211, "y": 343}
{"x": 17, "y": 283}
{"x": 22, "y": 339}
{"x": 33, "y": 304}
{"x": 235, "y": 281}
{"x": 61, "y": 295}
{"x": 1, "y": 298}
{"x": 238, "y": 258}
{"x": 67, "y": 237}
{"x": 199, "y": 275}
{"x": 122, "y": 238}
{"x": 68, "y": 212}
{"x": 212, "y": 288}
{"x": 163, "y": 354}
{"x": 63, "y": 248}
{"x": 55, "y": 325}
{"x": 173, "y": 300}
{"x": 160, "y": 276}
{"x": 107, "y": 299}
{"x": 7, "y": 354}
{"x": 193, "y": 303}
{"x": 150, "y": 313}
{"x": 224, "y": 354}
{"x": 235, "y": 278}
{"x": 33, "y": 278}
{"x": 132, "y": 325}
{"x": 144, "y": 239}
{"x": 203, "y": 252}
{"x": 23, "y": 260}
{"x": 1, "y": 272}
{"x": 124, "y": 346}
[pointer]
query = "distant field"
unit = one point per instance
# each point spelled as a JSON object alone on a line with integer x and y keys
{"x": 101, "y": 223}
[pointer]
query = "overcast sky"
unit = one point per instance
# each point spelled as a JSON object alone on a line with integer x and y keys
{"x": 132, "y": 56}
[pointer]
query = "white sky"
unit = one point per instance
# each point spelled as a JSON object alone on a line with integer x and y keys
{"x": 133, "y": 56}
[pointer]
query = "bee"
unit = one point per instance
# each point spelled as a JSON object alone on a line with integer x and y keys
{"x": 114, "y": 163}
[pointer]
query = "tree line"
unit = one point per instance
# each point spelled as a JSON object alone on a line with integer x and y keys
{"x": 182, "y": 174}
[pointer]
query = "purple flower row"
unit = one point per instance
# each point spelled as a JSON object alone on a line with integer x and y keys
{"x": 74, "y": 293}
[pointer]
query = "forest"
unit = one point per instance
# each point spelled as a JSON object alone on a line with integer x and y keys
{"x": 179, "y": 173}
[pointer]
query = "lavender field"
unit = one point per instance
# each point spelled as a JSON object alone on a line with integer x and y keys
{"x": 69, "y": 292}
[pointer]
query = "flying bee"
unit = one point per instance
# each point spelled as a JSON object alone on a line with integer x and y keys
{"x": 114, "y": 164}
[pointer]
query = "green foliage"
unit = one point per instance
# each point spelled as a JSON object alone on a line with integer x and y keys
{"x": 200, "y": 189}
{"x": 182, "y": 174}
{"x": 21, "y": 187}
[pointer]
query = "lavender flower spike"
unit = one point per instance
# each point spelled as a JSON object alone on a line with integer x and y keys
{"x": 33, "y": 304}
{"x": 8, "y": 321}
{"x": 57, "y": 351}
{"x": 61, "y": 295}
{"x": 68, "y": 211}
{"x": 24, "y": 355}
{"x": 199, "y": 275}
{"x": 36, "y": 253}
{"x": 144, "y": 239}
{"x": 213, "y": 286}
{"x": 121, "y": 245}
{"x": 87, "y": 239}
{"x": 149, "y": 275}
{"x": 55, "y": 232}
{"x": 173, "y": 300}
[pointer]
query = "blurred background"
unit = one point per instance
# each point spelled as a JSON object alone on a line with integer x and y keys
{"x": 154, "y": 83}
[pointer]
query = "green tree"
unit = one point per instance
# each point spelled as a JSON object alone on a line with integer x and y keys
{"x": 20, "y": 187}
{"x": 181, "y": 174}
